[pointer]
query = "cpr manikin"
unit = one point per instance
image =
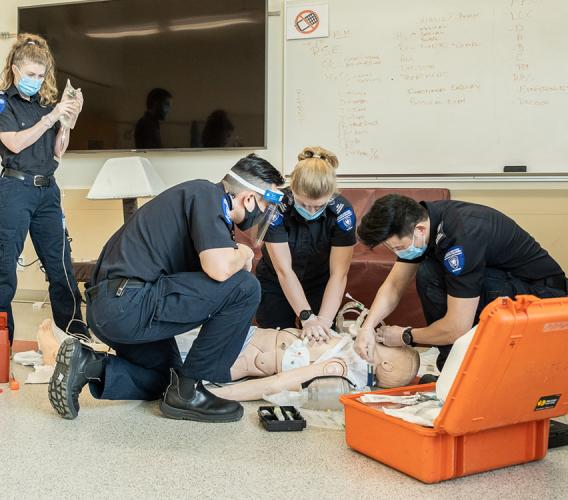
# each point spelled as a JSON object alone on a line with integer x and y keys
{"x": 280, "y": 361}
{"x": 265, "y": 352}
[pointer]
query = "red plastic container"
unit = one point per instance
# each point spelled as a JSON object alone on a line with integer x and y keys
{"x": 4, "y": 349}
{"x": 512, "y": 381}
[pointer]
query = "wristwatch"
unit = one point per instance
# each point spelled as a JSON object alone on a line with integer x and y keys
{"x": 305, "y": 314}
{"x": 407, "y": 337}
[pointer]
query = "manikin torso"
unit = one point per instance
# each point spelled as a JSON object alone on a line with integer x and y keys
{"x": 263, "y": 355}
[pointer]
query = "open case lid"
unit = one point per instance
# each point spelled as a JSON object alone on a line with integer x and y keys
{"x": 515, "y": 369}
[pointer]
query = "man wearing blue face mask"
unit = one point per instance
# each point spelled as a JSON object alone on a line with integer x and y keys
{"x": 308, "y": 250}
{"x": 463, "y": 256}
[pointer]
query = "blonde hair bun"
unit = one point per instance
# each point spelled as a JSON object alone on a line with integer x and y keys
{"x": 317, "y": 152}
{"x": 314, "y": 174}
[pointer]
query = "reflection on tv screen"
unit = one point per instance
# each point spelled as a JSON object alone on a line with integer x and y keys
{"x": 160, "y": 74}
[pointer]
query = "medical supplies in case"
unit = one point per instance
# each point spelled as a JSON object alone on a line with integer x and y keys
{"x": 512, "y": 381}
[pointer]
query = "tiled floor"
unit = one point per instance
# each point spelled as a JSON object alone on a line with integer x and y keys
{"x": 127, "y": 450}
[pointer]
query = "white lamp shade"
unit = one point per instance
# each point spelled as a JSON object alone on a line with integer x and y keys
{"x": 129, "y": 177}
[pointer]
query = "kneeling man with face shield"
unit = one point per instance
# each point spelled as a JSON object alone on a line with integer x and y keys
{"x": 172, "y": 267}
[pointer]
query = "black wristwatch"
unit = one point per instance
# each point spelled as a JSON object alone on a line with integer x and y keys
{"x": 407, "y": 337}
{"x": 305, "y": 314}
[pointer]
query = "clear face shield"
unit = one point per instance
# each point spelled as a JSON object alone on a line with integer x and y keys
{"x": 272, "y": 197}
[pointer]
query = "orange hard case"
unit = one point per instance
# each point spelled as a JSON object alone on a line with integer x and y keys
{"x": 512, "y": 381}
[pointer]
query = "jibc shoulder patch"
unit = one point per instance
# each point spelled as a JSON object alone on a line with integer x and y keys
{"x": 454, "y": 260}
{"x": 226, "y": 211}
{"x": 277, "y": 219}
{"x": 346, "y": 220}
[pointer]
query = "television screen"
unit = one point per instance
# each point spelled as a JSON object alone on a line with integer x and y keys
{"x": 160, "y": 74}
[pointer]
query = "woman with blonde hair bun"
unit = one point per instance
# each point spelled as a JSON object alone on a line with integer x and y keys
{"x": 31, "y": 145}
{"x": 308, "y": 250}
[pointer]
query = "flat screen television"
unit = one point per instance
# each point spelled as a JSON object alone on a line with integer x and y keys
{"x": 160, "y": 74}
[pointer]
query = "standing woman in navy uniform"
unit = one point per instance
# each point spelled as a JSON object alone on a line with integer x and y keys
{"x": 308, "y": 250}
{"x": 31, "y": 144}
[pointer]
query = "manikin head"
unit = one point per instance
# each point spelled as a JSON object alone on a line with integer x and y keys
{"x": 395, "y": 366}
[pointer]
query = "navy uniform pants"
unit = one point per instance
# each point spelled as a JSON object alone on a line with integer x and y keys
{"x": 140, "y": 325}
{"x": 25, "y": 207}
{"x": 431, "y": 288}
{"x": 275, "y": 311}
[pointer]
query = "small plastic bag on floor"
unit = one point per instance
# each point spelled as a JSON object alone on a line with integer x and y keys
{"x": 287, "y": 398}
{"x": 28, "y": 358}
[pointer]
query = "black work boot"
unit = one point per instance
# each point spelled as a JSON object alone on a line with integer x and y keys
{"x": 187, "y": 399}
{"x": 76, "y": 365}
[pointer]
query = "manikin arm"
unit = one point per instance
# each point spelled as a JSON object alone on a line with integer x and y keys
{"x": 251, "y": 390}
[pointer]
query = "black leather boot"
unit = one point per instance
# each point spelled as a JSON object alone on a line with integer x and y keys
{"x": 76, "y": 365}
{"x": 187, "y": 399}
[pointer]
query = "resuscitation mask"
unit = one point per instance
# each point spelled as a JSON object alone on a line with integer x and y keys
{"x": 412, "y": 252}
{"x": 307, "y": 215}
{"x": 262, "y": 221}
{"x": 29, "y": 86}
{"x": 324, "y": 392}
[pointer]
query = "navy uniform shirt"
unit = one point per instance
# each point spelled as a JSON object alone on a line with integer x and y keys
{"x": 466, "y": 238}
{"x": 20, "y": 114}
{"x": 166, "y": 235}
{"x": 310, "y": 242}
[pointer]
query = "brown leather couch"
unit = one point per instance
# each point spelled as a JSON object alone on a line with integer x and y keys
{"x": 369, "y": 268}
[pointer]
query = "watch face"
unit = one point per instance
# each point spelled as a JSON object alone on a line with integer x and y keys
{"x": 407, "y": 338}
{"x": 304, "y": 315}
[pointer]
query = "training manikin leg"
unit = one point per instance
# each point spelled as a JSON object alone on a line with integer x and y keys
{"x": 49, "y": 338}
{"x": 48, "y": 342}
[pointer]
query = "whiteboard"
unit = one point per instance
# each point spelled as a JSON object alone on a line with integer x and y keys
{"x": 437, "y": 86}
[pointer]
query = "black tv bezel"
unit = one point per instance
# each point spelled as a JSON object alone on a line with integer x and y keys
{"x": 175, "y": 150}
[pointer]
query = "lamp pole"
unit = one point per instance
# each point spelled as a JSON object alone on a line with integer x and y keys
{"x": 129, "y": 206}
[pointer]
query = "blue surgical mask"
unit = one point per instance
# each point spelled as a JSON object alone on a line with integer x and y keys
{"x": 307, "y": 215}
{"x": 29, "y": 86}
{"x": 412, "y": 252}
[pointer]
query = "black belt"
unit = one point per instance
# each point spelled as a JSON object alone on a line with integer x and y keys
{"x": 558, "y": 282}
{"x": 116, "y": 286}
{"x": 34, "y": 180}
